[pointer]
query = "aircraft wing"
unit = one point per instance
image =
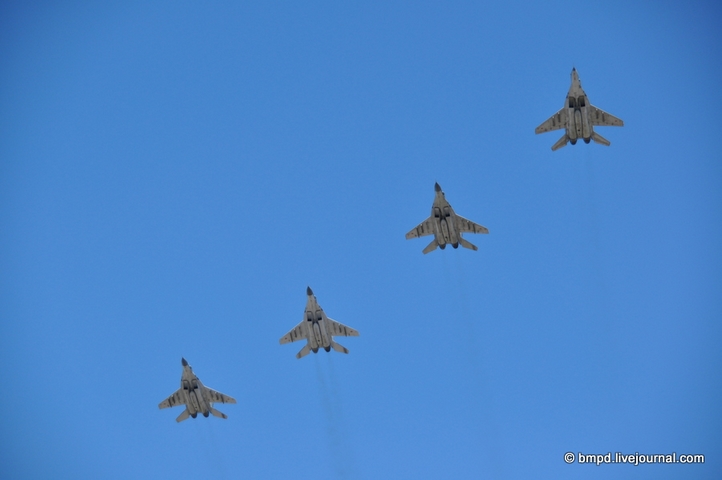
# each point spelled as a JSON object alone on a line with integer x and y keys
{"x": 463, "y": 225}
{"x": 173, "y": 400}
{"x": 555, "y": 122}
{"x": 424, "y": 228}
{"x": 218, "y": 397}
{"x": 602, "y": 118}
{"x": 339, "y": 329}
{"x": 297, "y": 333}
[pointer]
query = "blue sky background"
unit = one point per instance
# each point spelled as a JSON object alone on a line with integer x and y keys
{"x": 174, "y": 174}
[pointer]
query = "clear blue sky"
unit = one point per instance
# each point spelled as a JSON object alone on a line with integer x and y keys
{"x": 174, "y": 174}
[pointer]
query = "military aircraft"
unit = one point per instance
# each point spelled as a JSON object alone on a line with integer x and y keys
{"x": 195, "y": 396}
{"x": 578, "y": 117}
{"x": 445, "y": 225}
{"x": 318, "y": 329}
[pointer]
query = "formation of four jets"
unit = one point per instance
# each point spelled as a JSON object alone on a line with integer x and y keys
{"x": 578, "y": 117}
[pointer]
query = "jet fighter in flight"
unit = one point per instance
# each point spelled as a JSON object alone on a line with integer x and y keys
{"x": 318, "y": 329}
{"x": 445, "y": 225}
{"x": 578, "y": 117}
{"x": 195, "y": 396}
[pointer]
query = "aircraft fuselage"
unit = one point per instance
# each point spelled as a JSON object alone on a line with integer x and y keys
{"x": 319, "y": 336}
{"x": 445, "y": 231}
{"x": 579, "y": 124}
{"x": 193, "y": 394}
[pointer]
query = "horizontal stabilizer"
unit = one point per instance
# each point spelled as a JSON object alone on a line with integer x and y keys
{"x": 600, "y": 139}
{"x": 431, "y": 247}
{"x": 467, "y": 244}
{"x": 218, "y": 414}
{"x": 183, "y": 416}
{"x": 561, "y": 143}
{"x": 339, "y": 348}
{"x": 304, "y": 351}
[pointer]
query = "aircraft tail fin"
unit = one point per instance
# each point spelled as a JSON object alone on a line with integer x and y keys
{"x": 431, "y": 247}
{"x": 183, "y": 416}
{"x": 466, "y": 244}
{"x": 218, "y": 414}
{"x": 600, "y": 139}
{"x": 304, "y": 351}
{"x": 561, "y": 143}
{"x": 338, "y": 347}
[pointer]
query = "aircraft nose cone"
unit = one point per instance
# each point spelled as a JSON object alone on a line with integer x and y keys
{"x": 437, "y": 187}
{"x": 309, "y": 292}
{"x": 183, "y": 362}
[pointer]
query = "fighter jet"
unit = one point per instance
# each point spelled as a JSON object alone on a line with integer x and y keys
{"x": 445, "y": 225}
{"x": 195, "y": 396}
{"x": 318, "y": 329}
{"x": 578, "y": 117}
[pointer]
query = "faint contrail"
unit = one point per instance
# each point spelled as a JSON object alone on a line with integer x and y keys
{"x": 214, "y": 455}
{"x": 340, "y": 453}
{"x": 475, "y": 355}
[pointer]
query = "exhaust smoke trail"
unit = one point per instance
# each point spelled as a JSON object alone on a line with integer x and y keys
{"x": 341, "y": 456}
{"x": 214, "y": 456}
{"x": 479, "y": 377}
{"x": 596, "y": 281}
